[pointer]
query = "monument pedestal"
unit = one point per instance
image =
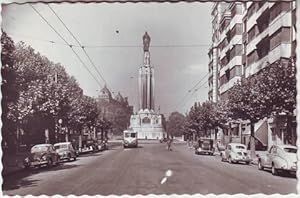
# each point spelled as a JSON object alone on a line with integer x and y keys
{"x": 148, "y": 124}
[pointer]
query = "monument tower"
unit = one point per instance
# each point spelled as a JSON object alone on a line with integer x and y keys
{"x": 147, "y": 122}
{"x": 146, "y": 78}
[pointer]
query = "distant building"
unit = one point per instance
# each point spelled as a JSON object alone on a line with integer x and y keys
{"x": 116, "y": 110}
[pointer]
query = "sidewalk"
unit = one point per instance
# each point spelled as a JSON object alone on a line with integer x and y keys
{"x": 13, "y": 162}
{"x": 258, "y": 153}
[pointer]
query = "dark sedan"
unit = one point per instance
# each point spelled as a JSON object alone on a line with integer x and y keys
{"x": 42, "y": 155}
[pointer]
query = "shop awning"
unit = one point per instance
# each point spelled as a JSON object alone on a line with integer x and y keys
{"x": 261, "y": 133}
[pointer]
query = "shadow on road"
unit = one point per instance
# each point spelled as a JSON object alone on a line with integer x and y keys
{"x": 283, "y": 174}
{"x": 22, "y": 178}
{"x": 90, "y": 154}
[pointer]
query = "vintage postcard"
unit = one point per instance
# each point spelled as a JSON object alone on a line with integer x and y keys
{"x": 149, "y": 97}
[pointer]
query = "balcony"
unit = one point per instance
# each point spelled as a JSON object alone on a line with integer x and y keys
{"x": 281, "y": 51}
{"x": 225, "y": 87}
{"x": 237, "y": 60}
{"x": 252, "y": 20}
{"x": 252, "y": 44}
{"x": 282, "y": 20}
{"x": 237, "y": 39}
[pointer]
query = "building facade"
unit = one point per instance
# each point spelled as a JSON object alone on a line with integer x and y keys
{"x": 246, "y": 38}
{"x": 214, "y": 62}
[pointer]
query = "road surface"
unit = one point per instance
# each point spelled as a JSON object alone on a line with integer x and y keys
{"x": 143, "y": 171}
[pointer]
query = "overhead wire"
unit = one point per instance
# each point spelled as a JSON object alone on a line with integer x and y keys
{"x": 78, "y": 42}
{"x": 66, "y": 43}
{"x": 237, "y": 53}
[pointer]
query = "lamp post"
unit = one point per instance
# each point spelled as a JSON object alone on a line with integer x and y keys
{"x": 60, "y": 123}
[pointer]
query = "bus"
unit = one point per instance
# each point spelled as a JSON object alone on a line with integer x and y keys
{"x": 130, "y": 138}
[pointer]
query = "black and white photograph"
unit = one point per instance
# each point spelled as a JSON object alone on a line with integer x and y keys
{"x": 149, "y": 97}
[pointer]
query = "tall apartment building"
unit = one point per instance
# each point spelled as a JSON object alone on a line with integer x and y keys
{"x": 230, "y": 47}
{"x": 269, "y": 34}
{"x": 213, "y": 67}
{"x": 245, "y": 38}
{"x": 250, "y": 36}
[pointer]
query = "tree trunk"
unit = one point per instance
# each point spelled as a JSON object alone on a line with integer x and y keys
{"x": 102, "y": 133}
{"x": 252, "y": 140}
{"x": 216, "y": 133}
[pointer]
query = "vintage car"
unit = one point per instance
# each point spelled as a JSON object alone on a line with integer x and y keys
{"x": 41, "y": 155}
{"x": 130, "y": 139}
{"x": 205, "y": 146}
{"x": 102, "y": 145}
{"x": 279, "y": 158}
{"x": 65, "y": 151}
{"x": 235, "y": 153}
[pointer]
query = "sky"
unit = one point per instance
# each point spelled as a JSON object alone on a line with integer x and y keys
{"x": 112, "y": 35}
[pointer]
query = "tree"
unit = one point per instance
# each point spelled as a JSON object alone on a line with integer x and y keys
{"x": 8, "y": 88}
{"x": 175, "y": 124}
{"x": 271, "y": 91}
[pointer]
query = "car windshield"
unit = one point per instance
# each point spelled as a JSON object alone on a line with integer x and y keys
{"x": 61, "y": 146}
{"x": 240, "y": 147}
{"x": 127, "y": 135}
{"x": 37, "y": 149}
{"x": 132, "y": 135}
{"x": 290, "y": 150}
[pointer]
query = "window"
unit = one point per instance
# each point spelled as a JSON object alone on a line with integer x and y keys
{"x": 252, "y": 33}
{"x": 290, "y": 150}
{"x": 236, "y": 51}
{"x": 278, "y": 8}
{"x": 251, "y": 10}
{"x": 263, "y": 47}
{"x": 240, "y": 147}
{"x": 263, "y": 21}
{"x": 236, "y": 71}
{"x": 252, "y": 57}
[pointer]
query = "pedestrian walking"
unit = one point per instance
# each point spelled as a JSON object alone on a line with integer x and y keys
{"x": 169, "y": 142}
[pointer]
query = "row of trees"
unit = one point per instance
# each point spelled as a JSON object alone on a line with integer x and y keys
{"x": 37, "y": 93}
{"x": 268, "y": 93}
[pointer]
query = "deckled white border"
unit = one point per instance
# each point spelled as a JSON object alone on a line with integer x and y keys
{"x": 186, "y": 195}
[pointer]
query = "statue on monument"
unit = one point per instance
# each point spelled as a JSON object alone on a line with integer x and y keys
{"x": 146, "y": 42}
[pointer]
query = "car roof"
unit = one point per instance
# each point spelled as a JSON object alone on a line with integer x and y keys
{"x": 282, "y": 146}
{"x": 62, "y": 143}
{"x": 37, "y": 145}
{"x": 236, "y": 144}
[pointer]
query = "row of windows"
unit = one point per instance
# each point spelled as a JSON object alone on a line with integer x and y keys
{"x": 237, "y": 50}
{"x": 236, "y": 30}
{"x": 267, "y": 17}
{"x": 231, "y": 73}
{"x": 269, "y": 43}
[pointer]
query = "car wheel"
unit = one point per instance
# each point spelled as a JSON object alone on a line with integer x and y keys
{"x": 230, "y": 160}
{"x": 260, "y": 166}
{"x": 50, "y": 163}
{"x": 69, "y": 157}
{"x": 274, "y": 170}
{"x": 247, "y": 163}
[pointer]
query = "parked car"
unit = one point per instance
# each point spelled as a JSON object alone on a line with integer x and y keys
{"x": 41, "y": 155}
{"x": 279, "y": 158}
{"x": 235, "y": 153}
{"x": 102, "y": 145}
{"x": 162, "y": 140}
{"x": 205, "y": 146}
{"x": 65, "y": 151}
{"x": 89, "y": 146}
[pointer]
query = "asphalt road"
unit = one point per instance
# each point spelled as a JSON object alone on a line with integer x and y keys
{"x": 143, "y": 171}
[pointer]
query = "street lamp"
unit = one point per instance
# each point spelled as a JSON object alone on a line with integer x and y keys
{"x": 60, "y": 122}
